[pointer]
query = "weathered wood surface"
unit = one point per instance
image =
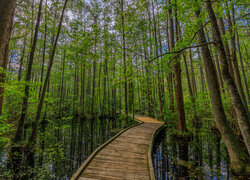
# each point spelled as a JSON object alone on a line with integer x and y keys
{"x": 128, "y": 156}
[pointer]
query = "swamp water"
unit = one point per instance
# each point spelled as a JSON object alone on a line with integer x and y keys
{"x": 198, "y": 159}
{"x": 71, "y": 144}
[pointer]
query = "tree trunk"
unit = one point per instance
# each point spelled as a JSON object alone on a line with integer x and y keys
{"x": 94, "y": 74}
{"x": 44, "y": 47}
{"x": 19, "y": 132}
{"x": 188, "y": 77}
{"x": 237, "y": 155}
{"x": 99, "y": 100}
{"x": 21, "y": 62}
{"x": 242, "y": 69}
{"x": 192, "y": 73}
{"x": 62, "y": 84}
{"x": 16, "y": 151}
{"x": 171, "y": 46}
{"x": 158, "y": 65}
{"x": 124, "y": 60}
{"x": 242, "y": 113}
{"x": 83, "y": 67}
{"x": 219, "y": 72}
{"x": 7, "y": 9}
{"x": 32, "y": 139}
{"x": 217, "y": 137}
{"x": 235, "y": 63}
{"x": 203, "y": 86}
{"x": 105, "y": 79}
{"x": 181, "y": 121}
{"x": 44, "y": 124}
{"x": 226, "y": 46}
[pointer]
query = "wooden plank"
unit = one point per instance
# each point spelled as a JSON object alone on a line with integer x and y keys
{"x": 127, "y": 156}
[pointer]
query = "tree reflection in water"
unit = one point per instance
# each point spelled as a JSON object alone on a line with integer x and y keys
{"x": 198, "y": 159}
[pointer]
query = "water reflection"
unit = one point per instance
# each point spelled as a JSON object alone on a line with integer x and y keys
{"x": 66, "y": 144}
{"x": 199, "y": 158}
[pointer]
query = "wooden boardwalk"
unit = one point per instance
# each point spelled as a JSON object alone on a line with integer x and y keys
{"x": 125, "y": 156}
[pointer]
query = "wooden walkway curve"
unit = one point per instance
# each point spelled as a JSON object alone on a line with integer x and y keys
{"x": 125, "y": 156}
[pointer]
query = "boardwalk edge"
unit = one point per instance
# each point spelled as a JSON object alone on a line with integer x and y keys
{"x": 151, "y": 145}
{"x": 94, "y": 153}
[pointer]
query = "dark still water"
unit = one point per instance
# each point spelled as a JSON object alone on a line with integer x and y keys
{"x": 198, "y": 158}
{"x": 66, "y": 144}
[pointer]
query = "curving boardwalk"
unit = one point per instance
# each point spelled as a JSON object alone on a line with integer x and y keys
{"x": 125, "y": 156}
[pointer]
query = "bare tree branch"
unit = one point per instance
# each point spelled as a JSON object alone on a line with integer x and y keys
{"x": 179, "y": 51}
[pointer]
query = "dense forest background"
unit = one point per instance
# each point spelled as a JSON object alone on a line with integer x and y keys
{"x": 73, "y": 72}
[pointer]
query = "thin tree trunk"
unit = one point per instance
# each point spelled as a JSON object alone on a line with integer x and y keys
{"x": 171, "y": 46}
{"x": 158, "y": 65}
{"x": 44, "y": 47}
{"x": 124, "y": 60}
{"x": 105, "y": 79}
{"x": 242, "y": 69}
{"x": 181, "y": 121}
{"x": 44, "y": 124}
{"x": 16, "y": 151}
{"x": 19, "y": 132}
{"x": 62, "y": 83}
{"x": 32, "y": 139}
{"x": 226, "y": 46}
{"x": 235, "y": 64}
{"x": 83, "y": 87}
{"x": 192, "y": 73}
{"x": 21, "y": 62}
{"x": 113, "y": 102}
{"x": 188, "y": 77}
{"x": 217, "y": 137}
{"x": 101, "y": 99}
{"x": 94, "y": 73}
{"x": 88, "y": 90}
{"x": 203, "y": 86}
{"x": 219, "y": 72}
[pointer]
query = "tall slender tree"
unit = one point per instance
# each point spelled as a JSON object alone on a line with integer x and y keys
{"x": 7, "y": 10}
{"x": 237, "y": 155}
{"x": 241, "y": 111}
